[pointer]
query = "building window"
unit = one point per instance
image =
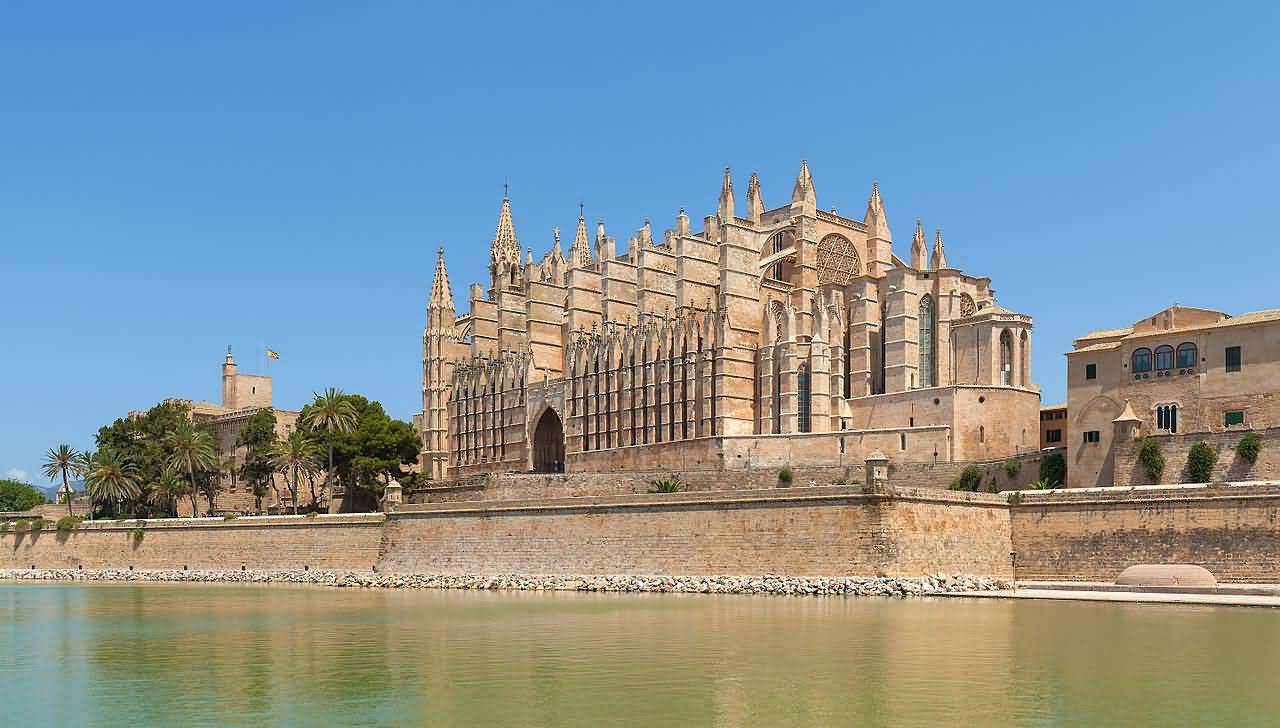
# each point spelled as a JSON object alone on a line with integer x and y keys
{"x": 1006, "y": 358}
{"x": 926, "y": 341}
{"x": 902, "y": 441}
{"x": 1234, "y": 417}
{"x": 779, "y": 244}
{"x": 1167, "y": 417}
{"x": 1091, "y": 436}
{"x": 1164, "y": 357}
{"x": 802, "y": 407}
{"x": 1053, "y": 435}
{"x": 1187, "y": 356}
{"x": 1233, "y": 358}
{"x": 1141, "y": 360}
{"x": 1090, "y": 371}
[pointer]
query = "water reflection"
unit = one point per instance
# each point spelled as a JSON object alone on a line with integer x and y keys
{"x": 232, "y": 655}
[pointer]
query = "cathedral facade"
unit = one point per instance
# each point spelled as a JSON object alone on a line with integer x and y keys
{"x": 789, "y": 335}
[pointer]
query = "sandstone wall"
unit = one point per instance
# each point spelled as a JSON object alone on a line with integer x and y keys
{"x": 1093, "y": 534}
{"x": 280, "y": 542}
{"x": 805, "y": 531}
{"x": 1230, "y": 466}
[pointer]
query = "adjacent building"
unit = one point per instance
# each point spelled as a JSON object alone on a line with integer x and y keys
{"x": 768, "y": 336}
{"x": 1053, "y": 426}
{"x": 1181, "y": 371}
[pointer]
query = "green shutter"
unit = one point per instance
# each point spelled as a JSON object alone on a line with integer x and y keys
{"x": 1233, "y": 418}
{"x": 1233, "y": 358}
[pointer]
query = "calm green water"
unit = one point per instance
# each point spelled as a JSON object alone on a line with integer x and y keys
{"x": 143, "y": 655}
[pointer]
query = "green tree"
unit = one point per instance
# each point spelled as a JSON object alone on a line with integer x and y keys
{"x": 191, "y": 450}
{"x": 166, "y": 492}
{"x": 61, "y": 460}
{"x": 330, "y": 415}
{"x": 1053, "y": 469}
{"x": 83, "y": 466}
{"x": 1151, "y": 455}
{"x": 372, "y": 452}
{"x": 114, "y": 480}
{"x": 296, "y": 455}
{"x": 257, "y": 437}
{"x": 18, "y": 496}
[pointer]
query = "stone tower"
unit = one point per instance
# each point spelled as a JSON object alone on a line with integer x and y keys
{"x": 437, "y": 371}
{"x": 229, "y": 381}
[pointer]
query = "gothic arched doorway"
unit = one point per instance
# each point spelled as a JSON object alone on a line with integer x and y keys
{"x": 548, "y": 443}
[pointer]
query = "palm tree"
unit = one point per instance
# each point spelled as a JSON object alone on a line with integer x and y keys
{"x": 293, "y": 454}
{"x": 191, "y": 449}
{"x": 332, "y": 413}
{"x": 83, "y": 466}
{"x": 113, "y": 478}
{"x": 57, "y": 461}
{"x": 168, "y": 490}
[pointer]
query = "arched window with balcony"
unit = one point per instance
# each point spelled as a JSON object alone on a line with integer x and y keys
{"x": 927, "y": 342}
{"x": 1141, "y": 360}
{"x": 1164, "y": 358}
{"x": 1188, "y": 355}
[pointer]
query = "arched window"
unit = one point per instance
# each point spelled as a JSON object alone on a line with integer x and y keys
{"x": 1188, "y": 356}
{"x": 802, "y": 406}
{"x": 1164, "y": 357}
{"x": 776, "y": 395}
{"x": 1141, "y": 360}
{"x": 1167, "y": 418}
{"x": 926, "y": 341}
{"x": 1006, "y": 358}
{"x": 779, "y": 244}
{"x": 1024, "y": 359}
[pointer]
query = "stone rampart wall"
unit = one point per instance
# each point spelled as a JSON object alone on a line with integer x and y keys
{"x": 1093, "y": 534}
{"x": 827, "y": 531}
{"x": 1230, "y": 467}
{"x": 348, "y": 542}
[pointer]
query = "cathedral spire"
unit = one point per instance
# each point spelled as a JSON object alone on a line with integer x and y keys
{"x": 505, "y": 246}
{"x": 726, "y": 197}
{"x": 876, "y": 220}
{"x": 803, "y": 191}
{"x": 755, "y": 201}
{"x": 441, "y": 293}
{"x": 919, "y": 251}
{"x": 939, "y": 253}
{"x": 580, "y": 250}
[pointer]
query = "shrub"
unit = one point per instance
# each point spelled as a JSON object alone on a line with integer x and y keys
{"x": 992, "y": 486}
{"x": 785, "y": 476}
{"x": 1200, "y": 462}
{"x": 840, "y": 481}
{"x": 37, "y": 524}
{"x": 666, "y": 485}
{"x": 230, "y": 516}
{"x": 137, "y": 534}
{"x": 4, "y": 526}
{"x": 313, "y": 514}
{"x": 21, "y": 525}
{"x": 1012, "y": 468}
{"x": 1053, "y": 469}
{"x": 970, "y": 479}
{"x": 1151, "y": 455}
{"x": 68, "y": 523}
{"x": 1249, "y": 447}
{"x": 1041, "y": 484}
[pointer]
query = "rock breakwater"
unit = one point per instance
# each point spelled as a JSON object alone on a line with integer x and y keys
{"x": 884, "y": 586}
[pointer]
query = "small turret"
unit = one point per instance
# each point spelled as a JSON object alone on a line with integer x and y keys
{"x": 939, "y": 253}
{"x": 726, "y": 197}
{"x": 919, "y": 251}
{"x": 504, "y": 251}
{"x": 682, "y": 223}
{"x": 580, "y": 250}
{"x": 755, "y": 201}
{"x": 229, "y": 380}
{"x": 803, "y": 194}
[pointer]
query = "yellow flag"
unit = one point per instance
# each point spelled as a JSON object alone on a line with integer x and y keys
{"x": 271, "y": 354}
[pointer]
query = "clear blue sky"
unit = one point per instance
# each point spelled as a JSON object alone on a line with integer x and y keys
{"x": 175, "y": 178}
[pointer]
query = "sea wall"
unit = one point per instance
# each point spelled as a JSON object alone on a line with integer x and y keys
{"x": 1092, "y": 534}
{"x": 348, "y": 542}
{"x": 803, "y": 531}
